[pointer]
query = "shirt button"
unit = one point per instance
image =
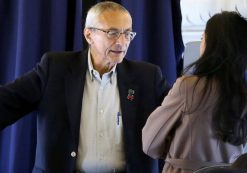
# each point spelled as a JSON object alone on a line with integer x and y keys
{"x": 73, "y": 154}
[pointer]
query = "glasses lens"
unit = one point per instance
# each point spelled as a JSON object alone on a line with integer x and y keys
{"x": 130, "y": 35}
{"x": 113, "y": 34}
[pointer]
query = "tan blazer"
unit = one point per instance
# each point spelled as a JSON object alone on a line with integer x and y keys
{"x": 193, "y": 145}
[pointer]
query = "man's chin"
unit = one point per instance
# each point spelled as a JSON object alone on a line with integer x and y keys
{"x": 117, "y": 60}
{"x": 120, "y": 60}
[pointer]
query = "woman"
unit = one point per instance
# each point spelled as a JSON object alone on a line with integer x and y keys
{"x": 203, "y": 120}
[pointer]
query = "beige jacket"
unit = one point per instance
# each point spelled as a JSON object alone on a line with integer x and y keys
{"x": 193, "y": 145}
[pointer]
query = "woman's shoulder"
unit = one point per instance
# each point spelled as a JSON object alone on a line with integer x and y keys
{"x": 189, "y": 81}
{"x": 190, "y": 85}
{"x": 189, "y": 78}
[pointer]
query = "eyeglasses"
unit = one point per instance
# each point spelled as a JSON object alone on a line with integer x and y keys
{"x": 115, "y": 34}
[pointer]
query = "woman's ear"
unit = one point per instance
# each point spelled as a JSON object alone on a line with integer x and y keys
{"x": 88, "y": 35}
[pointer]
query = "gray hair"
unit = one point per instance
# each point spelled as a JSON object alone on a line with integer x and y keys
{"x": 94, "y": 12}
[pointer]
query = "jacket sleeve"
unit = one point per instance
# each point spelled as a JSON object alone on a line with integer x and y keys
{"x": 162, "y": 122}
{"x": 162, "y": 87}
{"x": 22, "y": 95}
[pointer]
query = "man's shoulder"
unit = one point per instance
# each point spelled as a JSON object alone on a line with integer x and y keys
{"x": 62, "y": 61}
{"x": 63, "y": 54}
{"x": 138, "y": 69}
{"x": 139, "y": 64}
{"x": 63, "y": 57}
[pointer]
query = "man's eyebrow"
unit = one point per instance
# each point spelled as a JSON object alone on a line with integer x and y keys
{"x": 112, "y": 28}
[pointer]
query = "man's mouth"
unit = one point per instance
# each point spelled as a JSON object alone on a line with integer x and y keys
{"x": 117, "y": 51}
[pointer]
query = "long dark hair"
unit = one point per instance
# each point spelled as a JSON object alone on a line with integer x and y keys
{"x": 224, "y": 60}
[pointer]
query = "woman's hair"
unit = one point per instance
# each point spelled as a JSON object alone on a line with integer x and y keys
{"x": 224, "y": 60}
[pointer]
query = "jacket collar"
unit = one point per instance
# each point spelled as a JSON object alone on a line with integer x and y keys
{"x": 128, "y": 91}
{"x": 74, "y": 87}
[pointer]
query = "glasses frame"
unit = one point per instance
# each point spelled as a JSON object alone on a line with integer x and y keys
{"x": 129, "y": 35}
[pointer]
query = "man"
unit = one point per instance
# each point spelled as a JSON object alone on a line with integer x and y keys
{"x": 92, "y": 105}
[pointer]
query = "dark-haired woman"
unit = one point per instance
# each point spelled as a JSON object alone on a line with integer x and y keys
{"x": 205, "y": 113}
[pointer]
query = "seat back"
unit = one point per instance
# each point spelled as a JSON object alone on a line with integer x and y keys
{"x": 191, "y": 52}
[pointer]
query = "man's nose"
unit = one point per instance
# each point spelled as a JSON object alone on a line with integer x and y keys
{"x": 122, "y": 38}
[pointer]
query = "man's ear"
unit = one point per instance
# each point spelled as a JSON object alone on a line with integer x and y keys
{"x": 88, "y": 35}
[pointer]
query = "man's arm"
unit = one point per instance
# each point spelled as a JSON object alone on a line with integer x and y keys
{"x": 22, "y": 95}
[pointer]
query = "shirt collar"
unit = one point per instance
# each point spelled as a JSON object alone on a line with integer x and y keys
{"x": 92, "y": 70}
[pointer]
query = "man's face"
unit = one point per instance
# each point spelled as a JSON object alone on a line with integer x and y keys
{"x": 105, "y": 48}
